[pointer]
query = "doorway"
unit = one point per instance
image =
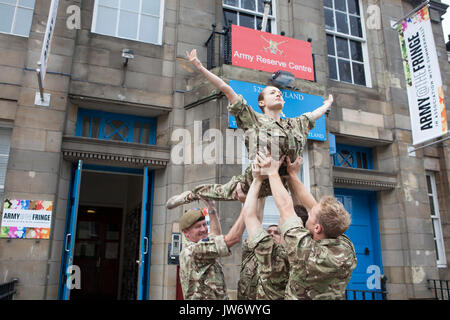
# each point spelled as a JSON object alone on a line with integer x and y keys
{"x": 111, "y": 246}
{"x": 97, "y": 252}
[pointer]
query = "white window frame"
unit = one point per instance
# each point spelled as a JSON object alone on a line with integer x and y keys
{"x": 271, "y": 18}
{"x": 362, "y": 40}
{"x": 160, "y": 26}
{"x": 271, "y": 213}
{"x": 436, "y": 221}
{"x": 14, "y": 18}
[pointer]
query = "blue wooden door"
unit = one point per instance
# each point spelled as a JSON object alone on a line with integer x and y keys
{"x": 146, "y": 236}
{"x": 364, "y": 233}
{"x": 70, "y": 232}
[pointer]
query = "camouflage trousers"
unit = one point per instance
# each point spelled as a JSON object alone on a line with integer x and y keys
{"x": 225, "y": 192}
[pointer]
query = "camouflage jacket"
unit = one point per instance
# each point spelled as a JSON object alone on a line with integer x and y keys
{"x": 248, "y": 277}
{"x": 292, "y": 133}
{"x": 201, "y": 273}
{"x": 320, "y": 269}
{"x": 272, "y": 266}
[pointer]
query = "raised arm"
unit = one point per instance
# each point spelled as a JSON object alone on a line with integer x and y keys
{"x": 298, "y": 189}
{"x": 214, "y": 223}
{"x": 281, "y": 196}
{"x": 320, "y": 111}
{"x": 215, "y": 80}
{"x": 252, "y": 207}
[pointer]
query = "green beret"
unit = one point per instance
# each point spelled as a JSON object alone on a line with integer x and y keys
{"x": 191, "y": 217}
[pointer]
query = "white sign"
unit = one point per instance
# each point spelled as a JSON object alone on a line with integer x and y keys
{"x": 423, "y": 77}
{"x": 48, "y": 38}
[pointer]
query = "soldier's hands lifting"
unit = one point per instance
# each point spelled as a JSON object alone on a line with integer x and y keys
{"x": 293, "y": 168}
{"x": 269, "y": 166}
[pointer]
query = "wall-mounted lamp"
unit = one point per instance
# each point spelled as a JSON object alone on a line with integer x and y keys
{"x": 282, "y": 78}
{"x": 127, "y": 54}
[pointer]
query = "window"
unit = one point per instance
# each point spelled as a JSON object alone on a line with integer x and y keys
{"x": 353, "y": 157}
{"x": 436, "y": 220}
{"x": 5, "y": 137}
{"x": 139, "y": 20}
{"x": 116, "y": 127}
{"x": 347, "y": 49}
{"x": 16, "y": 16}
{"x": 249, "y": 13}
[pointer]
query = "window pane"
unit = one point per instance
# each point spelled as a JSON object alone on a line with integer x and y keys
{"x": 13, "y": 2}
{"x": 358, "y": 74}
{"x": 149, "y": 29}
{"x": 230, "y": 16}
{"x": 332, "y": 68}
{"x": 128, "y": 24}
{"x": 109, "y": 3}
{"x": 106, "y": 21}
{"x": 341, "y": 22}
{"x": 342, "y": 47}
{"x": 6, "y": 17}
{"x": 247, "y": 20}
{"x": 23, "y": 21}
{"x": 340, "y": 5}
{"x": 429, "y": 184}
{"x": 330, "y": 45}
{"x": 356, "y": 49}
{"x": 248, "y": 4}
{"x": 344, "y": 70}
{"x": 328, "y": 3}
{"x": 353, "y": 6}
{"x": 329, "y": 19}
{"x": 151, "y": 7}
{"x": 261, "y": 7}
{"x": 259, "y": 24}
{"x": 355, "y": 26}
{"x": 232, "y": 2}
{"x": 432, "y": 211}
{"x": 132, "y": 5}
{"x": 25, "y": 3}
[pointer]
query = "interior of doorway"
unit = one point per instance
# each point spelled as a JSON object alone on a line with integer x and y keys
{"x": 107, "y": 236}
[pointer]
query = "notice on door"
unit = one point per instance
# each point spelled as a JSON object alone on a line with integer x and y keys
{"x": 26, "y": 219}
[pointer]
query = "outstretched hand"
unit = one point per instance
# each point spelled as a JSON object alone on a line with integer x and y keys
{"x": 328, "y": 102}
{"x": 192, "y": 57}
{"x": 269, "y": 166}
{"x": 210, "y": 204}
{"x": 293, "y": 168}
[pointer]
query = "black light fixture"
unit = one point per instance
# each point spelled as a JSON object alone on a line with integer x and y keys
{"x": 282, "y": 78}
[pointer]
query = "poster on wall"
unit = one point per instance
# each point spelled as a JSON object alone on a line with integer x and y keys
{"x": 423, "y": 77}
{"x": 26, "y": 219}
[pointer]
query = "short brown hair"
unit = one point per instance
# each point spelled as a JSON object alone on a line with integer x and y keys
{"x": 333, "y": 217}
{"x": 261, "y": 98}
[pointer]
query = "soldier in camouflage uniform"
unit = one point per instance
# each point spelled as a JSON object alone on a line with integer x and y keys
{"x": 282, "y": 136}
{"x": 321, "y": 257}
{"x": 201, "y": 273}
{"x": 272, "y": 266}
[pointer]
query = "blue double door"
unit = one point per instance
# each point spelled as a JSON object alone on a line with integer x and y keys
{"x": 365, "y": 235}
{"x": 68, "y": 269}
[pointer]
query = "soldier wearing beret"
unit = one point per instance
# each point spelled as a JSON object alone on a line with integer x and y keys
{"x": 201, "y": 273}
{"x": 321, "y": 257}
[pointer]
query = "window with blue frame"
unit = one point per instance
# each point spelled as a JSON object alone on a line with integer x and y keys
{"x": 347, "y": 156}
{"x": 114, "y": 126}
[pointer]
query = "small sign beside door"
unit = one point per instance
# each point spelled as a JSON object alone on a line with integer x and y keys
{"x": 26, "y": 219}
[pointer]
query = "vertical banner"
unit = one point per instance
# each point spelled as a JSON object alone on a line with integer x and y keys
{"x": 48, "y": 38}
{"x": 423, "y": 77}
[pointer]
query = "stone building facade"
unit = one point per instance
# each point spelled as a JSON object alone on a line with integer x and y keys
{"x": 98, "y": 97}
